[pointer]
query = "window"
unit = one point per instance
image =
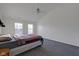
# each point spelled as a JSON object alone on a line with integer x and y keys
{"x": 30, "y": 28}
{"x": 18, "y": 28}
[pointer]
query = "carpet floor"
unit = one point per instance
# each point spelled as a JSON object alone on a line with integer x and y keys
{"x": 52, "y": 48}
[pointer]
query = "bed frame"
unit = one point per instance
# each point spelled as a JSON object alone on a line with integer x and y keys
{"x": 24, "y": 48}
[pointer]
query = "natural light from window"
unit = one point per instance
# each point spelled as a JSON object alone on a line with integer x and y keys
{"x": 30, "y": 28}
{"x": 18, "y": 28}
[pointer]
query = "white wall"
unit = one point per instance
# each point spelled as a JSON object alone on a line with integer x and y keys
{"x": 11, "y": 13}
{"x": 0, "y": 17}
{"x": 9, "y": 25}
{"x": 62, "y": 24}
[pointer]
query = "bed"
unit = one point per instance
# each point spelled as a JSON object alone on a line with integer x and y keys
{"x": 22, "y": 43}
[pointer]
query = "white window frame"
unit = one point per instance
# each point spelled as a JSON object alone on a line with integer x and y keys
{"x": 18, "y": 26}
{"x": 30, "y": 28}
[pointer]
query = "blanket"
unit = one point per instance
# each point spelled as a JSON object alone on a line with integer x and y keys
{"x": 28, "y": 39}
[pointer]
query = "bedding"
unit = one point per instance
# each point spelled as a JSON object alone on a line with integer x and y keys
{"x": 3, "y": 39}
{"x": 19, "y": 41}
{"x": 9, "y": 44}
{"x": 27, "y": 39}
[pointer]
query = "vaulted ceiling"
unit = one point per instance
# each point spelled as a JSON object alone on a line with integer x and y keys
{"x": 27, "y": 11}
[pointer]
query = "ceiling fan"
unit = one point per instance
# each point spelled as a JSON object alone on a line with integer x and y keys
{"x": 38, "y": 10}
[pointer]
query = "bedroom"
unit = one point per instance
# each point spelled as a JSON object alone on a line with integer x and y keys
{"x": 56, "y": 23}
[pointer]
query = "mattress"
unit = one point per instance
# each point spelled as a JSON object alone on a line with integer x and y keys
{"x": 13, "y": 43}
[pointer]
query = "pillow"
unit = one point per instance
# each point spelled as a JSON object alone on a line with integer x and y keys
{"x": 6, "y": 35}
{"x": 2, "y": 39}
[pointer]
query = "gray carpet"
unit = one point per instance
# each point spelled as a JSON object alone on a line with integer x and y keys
{"x": 52, "y": 48}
